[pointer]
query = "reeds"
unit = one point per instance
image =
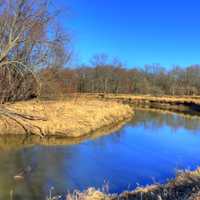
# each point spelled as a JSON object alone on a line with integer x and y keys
{"x": 186, "y": 186}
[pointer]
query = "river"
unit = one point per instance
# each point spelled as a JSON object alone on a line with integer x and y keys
{"x": 148, "y": 149}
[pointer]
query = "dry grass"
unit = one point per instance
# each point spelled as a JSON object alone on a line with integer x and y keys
{"x": 90, "y": 194}
{"x": 161, "y": 99}
{"x": 63, "y": 118}
{"x": 11, "y": 142}
{"x": 186, "y": 186}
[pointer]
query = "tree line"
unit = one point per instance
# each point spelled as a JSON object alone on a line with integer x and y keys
{"x": 35, "y": 55}
{"x": 113, "y": 77}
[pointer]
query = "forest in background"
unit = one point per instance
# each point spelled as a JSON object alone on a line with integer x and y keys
{"x": 113, "y": 77}
{"x": 36, "y": 54}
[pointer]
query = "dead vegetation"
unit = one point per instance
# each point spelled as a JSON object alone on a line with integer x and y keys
{"x": 90, "y": 194}
{"x": 180, "y": 104}
{"x": 149, "y": 98}
{"x": 70, "y": 118}
{"x": 186, "y": 186}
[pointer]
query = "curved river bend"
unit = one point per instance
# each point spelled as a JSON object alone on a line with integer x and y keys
{"x": 148, "y": 149}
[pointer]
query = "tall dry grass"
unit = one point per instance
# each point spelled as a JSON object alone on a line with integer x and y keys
{"x": 186, "y": 186}
{"x": 90, "y": 194}
{"x": 68, "y": 118}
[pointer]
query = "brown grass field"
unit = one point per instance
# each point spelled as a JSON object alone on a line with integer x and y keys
{"x": 65, "y": 118}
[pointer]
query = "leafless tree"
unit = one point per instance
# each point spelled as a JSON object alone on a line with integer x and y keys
{"x": 29, "y": 40}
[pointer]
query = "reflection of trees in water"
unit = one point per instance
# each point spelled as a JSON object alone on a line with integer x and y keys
{"x": 18, "y": 163}
{"x": 45, "y": 166}
{"x": 26, "y": 163}
{"x": 114, "y": 138}
{"x": 158, "y": 119}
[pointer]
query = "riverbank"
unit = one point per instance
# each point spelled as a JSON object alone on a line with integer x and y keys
{"x": 180, "y": 104}
{"x": 67, "y": 118}
{"x": 145, "y": 99}
{"x": 185, "y": 186}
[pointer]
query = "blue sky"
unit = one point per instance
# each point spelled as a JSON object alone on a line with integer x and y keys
{"x": 138, "y": 32}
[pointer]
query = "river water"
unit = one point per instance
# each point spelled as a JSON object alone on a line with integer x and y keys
{"x": 149, "y": 149}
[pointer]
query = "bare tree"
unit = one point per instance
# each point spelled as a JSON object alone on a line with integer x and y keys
{"x": 28, "y": 40}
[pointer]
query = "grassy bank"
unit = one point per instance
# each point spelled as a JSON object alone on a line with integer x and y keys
{"x": 186, "y": 186}
{"x": 67, "y": 118}
{"x": 11, "y": 142}
{"x": 181, "y": 104}
{"x": 148, "y": 98}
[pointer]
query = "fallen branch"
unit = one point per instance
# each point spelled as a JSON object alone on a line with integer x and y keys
{"x": 23, "y": 121}
{"x": 28, "y": 117}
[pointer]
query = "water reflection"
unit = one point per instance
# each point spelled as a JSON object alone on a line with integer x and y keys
{"x": 149, "y": 148}
{"x": 158, "y": 119}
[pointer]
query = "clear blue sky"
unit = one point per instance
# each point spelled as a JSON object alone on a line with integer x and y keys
{"x": 137, "y": 31}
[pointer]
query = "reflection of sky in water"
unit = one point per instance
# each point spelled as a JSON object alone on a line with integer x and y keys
{"x": 148, "y": 149}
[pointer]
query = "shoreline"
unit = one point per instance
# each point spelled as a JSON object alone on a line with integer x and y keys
{"x": 18, "y": 141}
{"x": 180, "y": 104}
{"x": 186, "y": 185}
{"x": 64, "y": 119}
